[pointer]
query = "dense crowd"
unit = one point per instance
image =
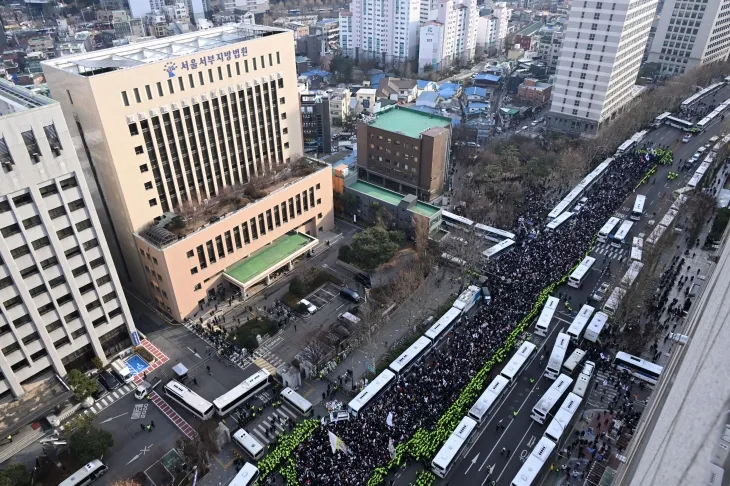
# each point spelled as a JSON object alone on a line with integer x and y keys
{"x": 421, "y": 397}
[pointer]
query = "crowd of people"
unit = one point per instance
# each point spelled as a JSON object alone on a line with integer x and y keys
{"x": 419, "y": 398}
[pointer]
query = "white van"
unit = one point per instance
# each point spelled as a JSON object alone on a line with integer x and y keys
{"x": 122, "y": 370}
{"x": 311, "y": 308}
{"x": 346, "y": 316}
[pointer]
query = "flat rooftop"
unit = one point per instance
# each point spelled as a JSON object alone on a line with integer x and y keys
{"x": 391, "y": 197}
{"x": 158, "y": 50}
{"x": 268, "y": 256}
{"x": 410, "y": 123}
{"x": 20, "y": 99}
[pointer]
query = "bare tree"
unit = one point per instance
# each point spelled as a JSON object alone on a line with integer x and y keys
{"x": 315, "y": 352}
{"x": 420, "y": 234}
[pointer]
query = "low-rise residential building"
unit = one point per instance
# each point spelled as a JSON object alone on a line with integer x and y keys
{"x": 405, "y": 150}
{"x": 397, "y": 89}
{"x": 534, "y": 92}
{"x": 365, "y": 100}
{"x": 339, "y": 104}
{"x": 549, "y": 48}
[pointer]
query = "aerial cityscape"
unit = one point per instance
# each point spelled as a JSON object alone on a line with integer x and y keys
{"x": 362, "y": 243}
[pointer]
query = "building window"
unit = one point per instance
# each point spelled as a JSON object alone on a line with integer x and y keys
{"x": 193, "y": 270}
{"x": 153, "y": 202}
{"x": 197, "y": 287}
{"x": 133, "y": 129}
{"x": 137, "y": 98}
{"x": 125, "y": 98}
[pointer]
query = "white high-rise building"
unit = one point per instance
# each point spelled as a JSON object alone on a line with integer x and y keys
{"x": 62, "y": 302}
{"x": 599, "y": 61}
{"x": 450, "y": 35}
{"x": 691, "y": 33}
{"x": 140, "y": 8}
{"x": 501, "y": 14}
{"x": 386, "y": 30}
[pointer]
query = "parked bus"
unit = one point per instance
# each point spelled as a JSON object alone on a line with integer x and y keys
{"x": 573, "y": 361}
{"x": 442, "y": 327}
{"x": 242, "y": 392}
{"x": 607, "y": 228}
{"x": 675, "y": 122}
{"x": 593, "y": 331}
{"x": 548, "y": 401}
{"x": 446, "y": 457}
{"x": 638, "y": 368}
{"x": 453, "y": 260}
{"x": 247, "y": 476}
{"x": 499, "y": 249}
{"x": 580, "y": 322}
{"x": 581, "y": 272}
{"x": 613, "y": 301}
{"x": 515, "y": 365}
{"x": 659, "y": 121}
{"x": 493, "y": 234}
{"x": 555, "y": 223}
{"x": 481, "y": 409}
{"x": 558, "y": 426}
{"x": 455, "y": 221}
{"x": 86, "y": 474}
{"x": 253, "y": 448}
{"x": 631, "y": 273}
{"x": 543, "y": 322}
{"x": 619, "y": 238}
{"x": 379, "y": 384}
{"x": 296, "y": 401}
{"x": 468, "y": 298}
{"x": 579, "y": 189}
{"x": 194, "y": 403}
{"x": 636, "y": 254}
{"x": 534, "y": 463}
{"x": 584, "y": 379}
{"x": 638, "y": 210}
{"x": 410, "y": 356}
{"x": 552, "y": 370}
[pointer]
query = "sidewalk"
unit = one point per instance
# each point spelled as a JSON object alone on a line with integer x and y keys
{"x": 400, "y": 323}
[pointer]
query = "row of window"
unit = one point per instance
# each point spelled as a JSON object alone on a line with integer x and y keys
{"x": 204, "y": 60}
{"x": 31, "y": 146}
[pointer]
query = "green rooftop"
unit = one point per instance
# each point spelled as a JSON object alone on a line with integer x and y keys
{"x": 391, "y": 197}
{"x": 268, "y": 256}
{"x": 410, "y": 123}
{"x": 425, "y": 209}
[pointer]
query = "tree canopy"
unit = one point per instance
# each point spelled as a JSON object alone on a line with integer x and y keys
{"x": 82, "y": 385}
{"x": 342, "y": 67}
{"x": 375, "y": 246}
{"x": 14, "y": 475}
{"x": 88, "y": 442}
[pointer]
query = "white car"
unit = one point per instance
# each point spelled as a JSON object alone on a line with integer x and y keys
{"x": 701, "y": 150}
{"x": 600, "y": 292}
{"x": 524, "y": 128}
{"x": 714, "y": 139}
{"x": 534, "y": 124}
{"x": 687, "y": 138}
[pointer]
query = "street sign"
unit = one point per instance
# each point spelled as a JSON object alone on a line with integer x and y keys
{"x": 135, "y": 338}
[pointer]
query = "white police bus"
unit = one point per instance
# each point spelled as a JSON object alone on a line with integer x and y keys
{"x": 534, "y": 463}
{"x": 573, "y": 361}
{"x": 242, "y": 392}
{"x": 618, "y": 239}
{"x": 481, "y": 408}
{"x": 543, "y": 322}
{"x": 579, "y": 323}
{"x": 515, "y": 365}
{"x": 637, "y": 367}
{"x": 410, "y": 356}
{"x": 381, "y": 383}
{"x": 296, "y": 401}
{"x": 558, "y": 426}
{"x": 581, "y": 272}
{"x": 447, "y": 455}
{"x": 194, "y": 403}
{"x": 638, "y": 211}
{"x": 607, "y": 228}
{"x": 247, "y": 476}
{"x": 548, "y": 401}
{"x": 253, "y": 448}
{"x": 552, "y": 370}
{"x": 86, "y": 474}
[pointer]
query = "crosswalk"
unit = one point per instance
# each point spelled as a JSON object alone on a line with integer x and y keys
{"x": 265, "y": 359}
{"x": 19, "y": 443}
{"x": 607, "y": 391}
{"x": 605, "y": 249}
{"x": 112, "y": 397}
{"x": 280, "y": 415}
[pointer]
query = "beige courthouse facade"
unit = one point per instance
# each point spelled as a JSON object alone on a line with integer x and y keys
{"x": 183, "y": 123}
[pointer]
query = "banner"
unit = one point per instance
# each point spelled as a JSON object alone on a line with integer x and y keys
{"x": 337, "y": 444}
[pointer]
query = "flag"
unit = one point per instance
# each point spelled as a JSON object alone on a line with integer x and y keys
{"x": 389, "y": 419}
{"x": 337, "y": 444}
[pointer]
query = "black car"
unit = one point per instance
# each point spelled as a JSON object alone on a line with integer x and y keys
{"x": 100, "y": 392}
{"x": 364, "y": 279}
{"x": 108, "y": 380}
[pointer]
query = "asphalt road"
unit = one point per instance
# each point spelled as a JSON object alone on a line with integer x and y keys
{"x": 521, "y": 433}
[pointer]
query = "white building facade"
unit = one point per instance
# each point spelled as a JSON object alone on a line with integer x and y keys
{"x": 386, "y": 30}
{"x": 456, "y": 39}
{"x": 599, "y": 60}
{"x": 690, "y": 34}
{"x": 62, "y": 301}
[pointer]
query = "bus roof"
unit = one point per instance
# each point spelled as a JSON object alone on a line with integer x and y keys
{"x": 534, "y": 463}
{"x": 632, "y": 273}
{"x": 583, "y": 268}
{"x": 445, "y": 321}
{"x": 559, "y": 220}
{"x": 456, "y": 218}
{"x": 547, "y": 312}
{"x": 639, "y": 204}
{"x": 245, "y": 476}
{"x": 453, "y": 444}
{"x": 81, "y": 473}
{"x": 407, "y": 357}
{"x": 248, "y": 441}
{"x": 242, "y": 388}
{"x": 623, "y": 230}
{"x": 495, "y": 231}
{"x": 610, "y": 225}
{"x": 364, "y": 397}
{"x": 498, "y": 248}
{"x": 578, "y": 190}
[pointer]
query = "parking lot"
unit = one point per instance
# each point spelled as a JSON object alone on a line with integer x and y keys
{"x": 323, "y": 295}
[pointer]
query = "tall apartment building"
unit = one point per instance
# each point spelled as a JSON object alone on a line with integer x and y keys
{"x": 386, "y": 30}
{"x": 450, "y": 36}
{"x": 178, "y": 123}
{"x": 316, "y": 123}
{"x": 405, "y": 150}
{"x": 62, "y": 302}
{"x": 691, "y": 33}
{"x": 140, "y": 8}
{"x": 602, "y": 50}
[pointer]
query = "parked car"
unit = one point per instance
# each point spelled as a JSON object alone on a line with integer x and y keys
{"x": 600, "y": 293}
{"x": 311, "y": 308}
{"x": 687, "y": 138}
{"x": 145, "y": 388}
{"x": 350, "y": 295}
{"x": 108, "y": 380}
{"x": 100, "y": 392}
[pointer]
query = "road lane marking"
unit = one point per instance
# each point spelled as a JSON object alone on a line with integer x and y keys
{"x": 473, "y": 461}
{"x": 512, "y": 457}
